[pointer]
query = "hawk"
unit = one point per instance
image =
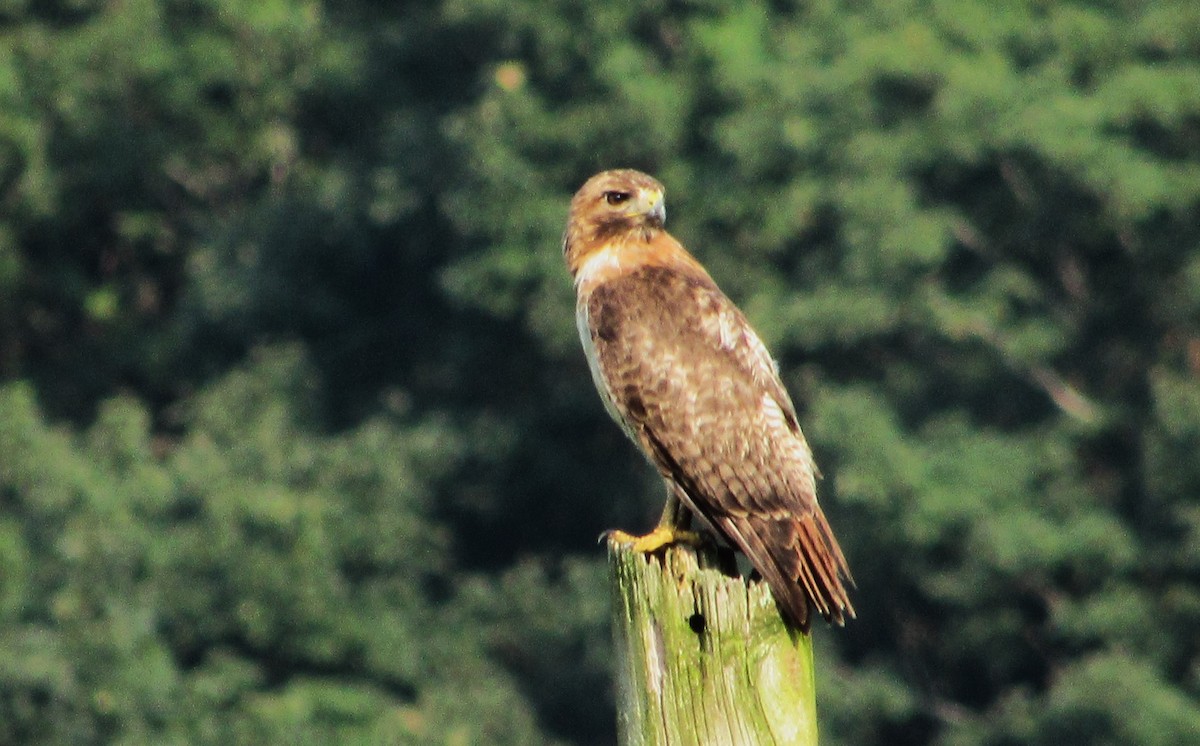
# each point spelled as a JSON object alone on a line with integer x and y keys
{"x": 688, "y": 380}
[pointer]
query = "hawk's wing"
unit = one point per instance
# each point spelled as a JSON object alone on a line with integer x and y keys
{"x": 694, "y": 384}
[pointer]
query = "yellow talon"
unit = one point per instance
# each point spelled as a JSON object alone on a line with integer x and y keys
{"x": 660, "y": 537}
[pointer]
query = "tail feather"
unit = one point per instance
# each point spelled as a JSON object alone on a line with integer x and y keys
{"x": 806, "y": 571}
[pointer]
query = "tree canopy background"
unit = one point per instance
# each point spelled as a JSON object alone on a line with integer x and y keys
{"x": 297, "y": 444}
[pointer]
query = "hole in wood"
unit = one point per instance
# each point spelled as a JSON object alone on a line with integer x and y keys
{"x": 697, "y": 623}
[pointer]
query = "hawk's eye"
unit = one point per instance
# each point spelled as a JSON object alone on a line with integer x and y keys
{"x": 616, "y": 198}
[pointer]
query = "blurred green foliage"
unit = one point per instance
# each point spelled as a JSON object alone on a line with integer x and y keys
{"x": 296, "y": 443}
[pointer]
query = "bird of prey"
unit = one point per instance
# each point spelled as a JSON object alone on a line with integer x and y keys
{"x": 688, "y": 380}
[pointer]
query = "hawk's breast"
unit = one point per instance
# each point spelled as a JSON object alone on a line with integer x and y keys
{"x": 584, "y": 326}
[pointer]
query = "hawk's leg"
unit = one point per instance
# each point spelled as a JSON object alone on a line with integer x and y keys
{"x": 673, "y": 528}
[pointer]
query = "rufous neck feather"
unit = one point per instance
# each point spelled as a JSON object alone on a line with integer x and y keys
{"x": 601, "y": 262}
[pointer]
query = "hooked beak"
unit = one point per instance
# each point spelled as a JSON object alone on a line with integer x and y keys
{"x": 652, "y": 205}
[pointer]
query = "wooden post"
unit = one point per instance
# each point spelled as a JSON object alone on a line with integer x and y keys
{"x": 703, "y": 656}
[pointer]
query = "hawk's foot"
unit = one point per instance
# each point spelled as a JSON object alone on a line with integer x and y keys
{"x": 661, "y": 536}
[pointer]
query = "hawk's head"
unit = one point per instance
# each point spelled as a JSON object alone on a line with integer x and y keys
{"x": 616, "y": 205}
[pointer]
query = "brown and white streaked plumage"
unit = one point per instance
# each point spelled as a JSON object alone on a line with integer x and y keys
{"x": 682, "y": 372}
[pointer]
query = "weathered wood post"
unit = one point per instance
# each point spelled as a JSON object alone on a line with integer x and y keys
{"x": 703, "y": 656}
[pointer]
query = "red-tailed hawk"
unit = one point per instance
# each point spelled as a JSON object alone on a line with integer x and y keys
{"x": 682, "y": 372}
